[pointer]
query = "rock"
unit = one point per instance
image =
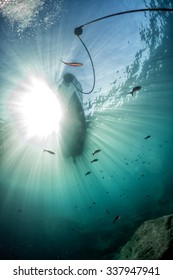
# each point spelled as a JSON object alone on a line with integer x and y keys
{"x": 152, "y": 241}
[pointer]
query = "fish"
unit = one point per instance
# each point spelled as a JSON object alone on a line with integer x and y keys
{"x": 134, "y": 90}
{"x": 148, "y": 136}
{"x": 89, "y": 172}
{"x": 94, "y": 160}
{"x": 116, "y": 219}
{"x": 50, "y": 152}
{"x": 74, "y": 64}
{"x": 96, "y": 151}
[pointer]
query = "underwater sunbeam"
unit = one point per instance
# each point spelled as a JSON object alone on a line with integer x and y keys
{"x": 38, "y": 110}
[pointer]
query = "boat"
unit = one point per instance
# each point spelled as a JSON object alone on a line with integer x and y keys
{"x": 73, "y": 124}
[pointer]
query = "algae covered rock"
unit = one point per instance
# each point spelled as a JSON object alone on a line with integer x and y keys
{"x": 152, "y": 241}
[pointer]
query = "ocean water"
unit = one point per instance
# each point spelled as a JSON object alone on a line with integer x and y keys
{"x": 49, "y": 208}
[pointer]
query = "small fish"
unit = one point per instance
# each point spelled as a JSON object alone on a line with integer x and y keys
{"x": 148, "y": 136}
{"x": 50, "y": 152}
{"x": 97, "y": 151}
{"x": 134, "y": 90}
{"x": 116, "y": 219}
{"x": 89, "y": 172}
{"x": 94, "y": 160}
{"x": 74, "y": 64}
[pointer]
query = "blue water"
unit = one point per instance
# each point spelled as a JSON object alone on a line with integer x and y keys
{"x": 49, "y": 209}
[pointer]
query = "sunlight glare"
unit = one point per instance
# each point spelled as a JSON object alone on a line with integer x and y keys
{"x": 41, "y": 111}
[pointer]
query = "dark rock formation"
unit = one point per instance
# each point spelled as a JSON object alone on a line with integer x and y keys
{"x": 152, "y": 241}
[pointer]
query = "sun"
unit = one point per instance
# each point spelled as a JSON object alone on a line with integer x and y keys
{"x": 39, "y": 109}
